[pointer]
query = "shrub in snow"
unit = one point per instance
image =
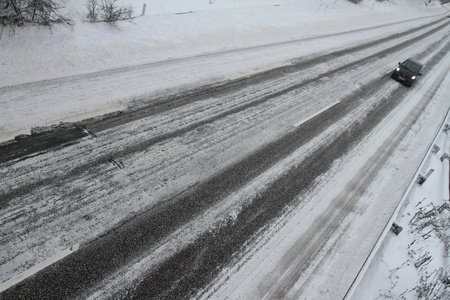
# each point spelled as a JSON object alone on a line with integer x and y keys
{"x": 107, "y": 11}
{"x": 433, "y": 286}
{"x": 111, "y": 12}
{"x": 43, "y": 12}
{"x": 93, "y": 10}
{"x": 433, "y": 220}
{"x": 9, "y": 13}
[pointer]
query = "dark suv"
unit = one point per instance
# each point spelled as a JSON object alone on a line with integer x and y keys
{"x": 407, "y": 71}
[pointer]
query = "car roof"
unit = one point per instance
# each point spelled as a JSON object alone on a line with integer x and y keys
{"x": 414, "y": 61}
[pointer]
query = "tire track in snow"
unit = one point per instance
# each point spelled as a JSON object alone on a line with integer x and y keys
{"x": 36, "y": 144}
{"x": 205, "y": 252}
{"x": 146, "y": 112}
{"x": 277, "y": 284}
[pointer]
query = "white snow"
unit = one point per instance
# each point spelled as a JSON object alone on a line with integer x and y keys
{"x": 414, "y": 264}
{"x": 68, "y": 75}
{"x": 342, "y": 257}
{"x": 161, "y": 51}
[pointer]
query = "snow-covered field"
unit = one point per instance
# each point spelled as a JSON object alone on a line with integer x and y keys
{"x": 68, "y": 75}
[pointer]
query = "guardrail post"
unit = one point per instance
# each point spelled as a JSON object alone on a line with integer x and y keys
{"x": 436, "y": 149}
{"x": 421, "y": 179}
{"x": 446, "y": 128}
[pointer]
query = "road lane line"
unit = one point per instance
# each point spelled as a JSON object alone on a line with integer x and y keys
{"x": 316, "y": 114}
{"x": 15, "y": 280}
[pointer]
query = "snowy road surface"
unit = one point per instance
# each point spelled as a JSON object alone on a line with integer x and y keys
{"x": 149, "y": 80}
{"x": 213, "y": 191}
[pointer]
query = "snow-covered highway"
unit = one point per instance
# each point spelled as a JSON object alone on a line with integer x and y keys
{"x": 233, "y": 181}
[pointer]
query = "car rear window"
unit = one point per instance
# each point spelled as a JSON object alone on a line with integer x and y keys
{"x": 411, "y": 66}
